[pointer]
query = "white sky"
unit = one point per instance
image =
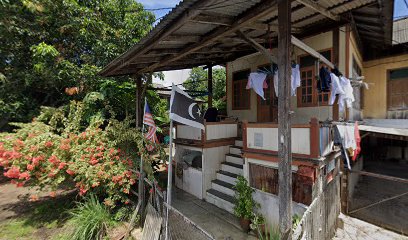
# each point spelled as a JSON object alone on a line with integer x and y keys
{"x": 176, "y": 77}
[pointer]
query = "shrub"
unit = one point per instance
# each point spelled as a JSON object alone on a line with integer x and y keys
{"x": 245, "y": 204}
{"x": 90, "y": 220}
{"x": 94, "y": 160}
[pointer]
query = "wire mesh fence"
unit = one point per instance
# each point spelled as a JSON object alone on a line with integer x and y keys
{"x": 182, "y": 228}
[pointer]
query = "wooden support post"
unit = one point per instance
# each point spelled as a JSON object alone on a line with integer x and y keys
{"x": 314, "y": 138}
{"x": 210, "y": 86}
{"x": 138, "y": 101}
{"x": 336, "y": 58}
{"x": 285, "y": 152}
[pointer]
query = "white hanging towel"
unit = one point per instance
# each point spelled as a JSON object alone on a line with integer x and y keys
{"x": 336, "y": 88}
{"x": 294, "y": 80}
{"x": 346, "y": 100}
{"x": 256, "y": 81}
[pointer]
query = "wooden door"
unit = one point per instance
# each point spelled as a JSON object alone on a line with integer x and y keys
{"x": 268, "y": 108}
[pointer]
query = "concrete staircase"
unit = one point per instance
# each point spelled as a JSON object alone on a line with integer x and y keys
{"x": 222, "y": 192}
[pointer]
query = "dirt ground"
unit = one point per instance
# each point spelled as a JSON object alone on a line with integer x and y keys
{"x": 45, "y": 217}
{"x": 392, "y": 214}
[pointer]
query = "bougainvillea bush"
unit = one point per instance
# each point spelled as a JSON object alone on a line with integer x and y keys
{"x": 91, "y": 160}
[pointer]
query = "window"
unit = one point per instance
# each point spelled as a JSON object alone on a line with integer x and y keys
{"x": 308, "y": 95}
{"x": 240, "y": 95}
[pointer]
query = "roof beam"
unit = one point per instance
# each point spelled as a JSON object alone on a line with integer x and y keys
{"x": 213, "y": 19}
{"x": 258, "y": 47}
{"x": 298, "y": 43}
{"x": 260, "y": 10}
{"x": 186, "y": 38}
{"x": 150, "y": 43}
{"x": 320, "y": 9}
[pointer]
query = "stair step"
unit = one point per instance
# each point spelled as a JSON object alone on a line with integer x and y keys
{"x": 238, "y": 143}
{"x": 240, "y": 166}
{"x": 223, "y": 187}
{"x": 232, "y": 167}
{"x": 220, "y": 200}
{"x": 229, "y": 174}
{"x": 228, "y": 177}
{"x": 235, "y": 150}
{"x": 224, "y": 184}
{"x": 233, "y": 158}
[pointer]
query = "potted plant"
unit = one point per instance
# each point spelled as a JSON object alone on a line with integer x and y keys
{"x": 244, "y": 204}
{"x": 258, "y": 224}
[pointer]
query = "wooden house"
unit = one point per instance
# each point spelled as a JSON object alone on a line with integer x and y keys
{"x": 243, "y": 37}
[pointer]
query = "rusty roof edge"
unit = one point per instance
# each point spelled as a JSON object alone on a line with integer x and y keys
{"x": 169, "y": 17}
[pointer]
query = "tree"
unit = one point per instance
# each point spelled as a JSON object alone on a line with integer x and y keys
{"x": 50, "y": 45}
{"x": 197, "y": 81}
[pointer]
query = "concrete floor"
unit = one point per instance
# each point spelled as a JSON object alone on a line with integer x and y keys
{"x": 354, "y": 229}
{"x": 391, "y": 214}
{"x": 217, "y": 222}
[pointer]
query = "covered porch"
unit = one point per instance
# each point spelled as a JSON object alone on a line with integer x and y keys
{"x": 216, "y": 32}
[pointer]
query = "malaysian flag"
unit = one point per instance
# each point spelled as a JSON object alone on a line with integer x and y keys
{"x": 151, "y": 131}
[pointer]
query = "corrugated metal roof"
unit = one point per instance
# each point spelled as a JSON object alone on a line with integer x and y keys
{"x": 199, "y": 32}
{"x": 400, "y": 31}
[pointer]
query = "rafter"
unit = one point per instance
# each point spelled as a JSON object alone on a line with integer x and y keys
{"x": 320, "y": 9}
{"x": 260, "y": 10}
{"x": 194, "y": 11}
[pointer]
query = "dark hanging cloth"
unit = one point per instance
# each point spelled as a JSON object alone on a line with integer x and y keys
{"x": 337, "y": 72}
{"x": 324, "y": 82}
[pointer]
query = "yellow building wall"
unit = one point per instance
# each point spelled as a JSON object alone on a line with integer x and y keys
{"x": 301, "y": 115}
{"x": 376, "y": 74}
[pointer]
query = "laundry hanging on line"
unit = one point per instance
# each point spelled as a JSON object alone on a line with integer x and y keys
{"x": 257, "y": 81}
{"x": 346, "y": 100}
{"x": 294, "y": 80}
{"x": 348, "y": 138}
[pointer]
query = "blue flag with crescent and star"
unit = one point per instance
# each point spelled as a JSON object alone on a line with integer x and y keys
{"x": 184, "y": 109}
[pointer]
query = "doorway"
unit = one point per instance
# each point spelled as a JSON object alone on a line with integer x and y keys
{"x": 268, "y": 108}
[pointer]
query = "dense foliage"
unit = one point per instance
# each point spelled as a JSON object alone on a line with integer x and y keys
{"x": 52, "y": 50}
{"x": 56, "y": 149}
{"x": 197, "y": 81}
{"x": 90, "y": 219}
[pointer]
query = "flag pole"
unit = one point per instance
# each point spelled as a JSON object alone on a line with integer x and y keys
{"x": 141, "y": 177}
{"x": 169, "y": 177}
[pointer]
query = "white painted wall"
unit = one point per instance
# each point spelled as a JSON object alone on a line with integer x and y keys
{"x": 269, "y": 136}
{"x": 191, "y": 181}
{"x": 220, "y": 131}
{"x": 187, "y": 132}
{"x": 212, "y": 158}
{"x": 270, "y": 207}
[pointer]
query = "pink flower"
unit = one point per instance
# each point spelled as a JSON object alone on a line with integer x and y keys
{"x": 53, "y": 194}
{"x": 33, "y": 198}
{"x": 30, "y": 167}
{"x": 49, "y": 144}
{"x": 13, "y": 172}
{"x": 24, "y": 175}
{"x": 64, "y": 147}
{"x": 62, "y": 165}
{"x": 70, "y": 172}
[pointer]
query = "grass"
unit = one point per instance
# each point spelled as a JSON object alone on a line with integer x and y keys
{"x": 91, "y": 220}
{"x": 45, "y": 219}
{"x": 16, "y": 229}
